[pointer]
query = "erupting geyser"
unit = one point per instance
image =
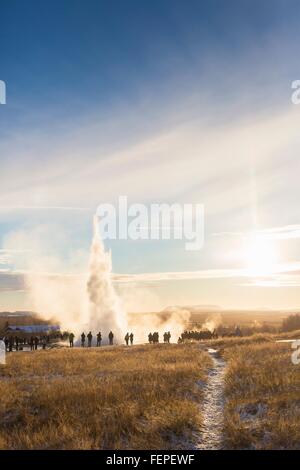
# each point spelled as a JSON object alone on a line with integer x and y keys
{"x": 105, "y": 312}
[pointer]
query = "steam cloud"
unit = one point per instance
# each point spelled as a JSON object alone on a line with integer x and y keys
{"x": 175, "y": 320}
{"x": 212, "y": 322}
{"x": 89, "y": 302}
{"x": 105, "y": 310}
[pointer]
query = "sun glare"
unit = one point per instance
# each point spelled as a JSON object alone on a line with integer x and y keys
{"x": 260, "y": 256}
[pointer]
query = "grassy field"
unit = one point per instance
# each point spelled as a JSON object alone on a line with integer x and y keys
{"x": 149, "y": 397}
{"x": 145, "y": 397}
{"x": 262, "y": 395}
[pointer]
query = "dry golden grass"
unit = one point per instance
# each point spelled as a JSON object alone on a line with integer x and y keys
{"x": 262, "y": 391}
{"x": 227, "y": 341}
{"x": 258, "y": 338}
{"x": 146, "y": 397}
{"x": 143, "y": 397}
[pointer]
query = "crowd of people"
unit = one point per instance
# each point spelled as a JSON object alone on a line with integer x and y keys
{"x": 129, "y": 337}
{"x": 153, "y": 338}
{"x": 89, "y": 337}
{"x": 198, "y": 335}
{"x": 18, "y": 343}
{"x": 34, "y": 342}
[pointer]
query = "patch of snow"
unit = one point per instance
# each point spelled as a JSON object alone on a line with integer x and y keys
{"x": 211, "y": 437}
{"x": 252, "y": 411}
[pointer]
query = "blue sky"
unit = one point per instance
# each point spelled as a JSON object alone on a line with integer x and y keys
{"x": 163, "y": 101}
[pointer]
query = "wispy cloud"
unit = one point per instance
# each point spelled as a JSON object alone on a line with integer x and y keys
{"x": 285, "y": 232}
{"x": 6, "y": 255}
{"x": 55, "y": 208}
{"x": 280, "y": 273}
{"x": 280, "y": 281}
{"x": 285, "y": 268}
{"x": 11, "y": 281}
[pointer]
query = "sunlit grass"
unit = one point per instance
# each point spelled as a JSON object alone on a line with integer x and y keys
{"x": 262, "y": 391}
{"x": 143, "y": 397}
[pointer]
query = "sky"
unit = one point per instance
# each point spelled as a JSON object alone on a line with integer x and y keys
{"x": 163, "y": 102}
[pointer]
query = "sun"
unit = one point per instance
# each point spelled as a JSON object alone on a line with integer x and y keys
{"x": 260, "y": 256}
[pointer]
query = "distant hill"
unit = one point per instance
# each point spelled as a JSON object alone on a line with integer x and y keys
{"x": 18, "y": 313}
{"x": 199, "y": 314}
{"x": 194, "y": 308}
{"x": 21, "y": 317}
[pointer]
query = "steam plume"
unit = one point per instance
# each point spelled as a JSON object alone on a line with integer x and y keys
{"x": 105, "y": 311}
{"x": 212, "y": 322}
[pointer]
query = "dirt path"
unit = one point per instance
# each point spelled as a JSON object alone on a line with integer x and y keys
{"x": 211, "y": 436}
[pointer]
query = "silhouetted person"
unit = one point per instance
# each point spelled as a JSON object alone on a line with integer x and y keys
{"x": 36, "y": 343}
{"x": 99, "y": 339}
{"x": 238, "y": 331}
{"x": 6, "y": 344}
{"x": 31, "y": 343}
{"x": 150, "y": 338}
{"x": 82, "y": 340}
{"x": 10, "y": 344}
{"x": 71, "y": 339}
{"x": 111, "y": 338}
{"x": 90, "y": 338}
{"x": 165, "y": 337}
{"x": 127, "y": 339}
{"x": 17, "y": 343}
{"x": 131, "y": 338}
{"x": 168, "y": 336}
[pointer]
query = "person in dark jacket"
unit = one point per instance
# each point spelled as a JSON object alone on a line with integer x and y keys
{"x": 90, "y": 338}
{"x": 99, "y": 339}
{"x": 155, "y": 337}
{"x": 111, "y": 338}
{"x": 71, "y": 339}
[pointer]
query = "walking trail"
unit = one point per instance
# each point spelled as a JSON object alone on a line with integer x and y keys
{"x": 211, "y": 436}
